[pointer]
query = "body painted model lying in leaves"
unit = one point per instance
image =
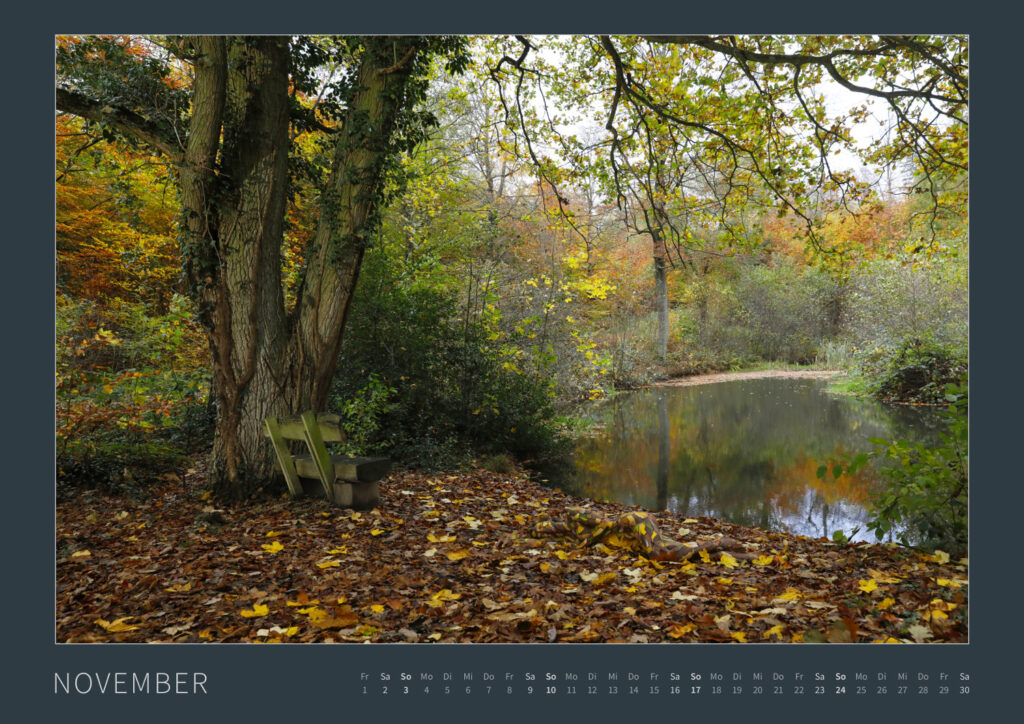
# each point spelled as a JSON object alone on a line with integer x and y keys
{"x": 590, "y": 527}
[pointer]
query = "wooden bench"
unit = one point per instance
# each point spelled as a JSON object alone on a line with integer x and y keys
{"x": 348, "y": 482}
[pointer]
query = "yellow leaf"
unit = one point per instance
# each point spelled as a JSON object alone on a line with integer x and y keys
{"x": 885, "y": 603}
{"x": 328, "y": 564}
{"x": 545, "y": 567}
{"x": 798, "y": 638}
{"x": 258, "y": 610}
{"x": 273, "y": 533}
{"x": 791, "y": 594}
{"x": 81, "y": 554}
{"x": 323, "y": 619}
{"x": 940, "y": 557}
{"x": 867, "y": 586}
{"x": 562, "y": 555}
{"x": 763, "y": 560}
{"x": 272, "y": 547}
{"x": 704, "y": 555}
{"x": 947, "y": 583}
{"x": 629, "y": 611}
{"x": 740, "y": 636}
{"x": 434, "y": 637}
{"x": 440, "y": 538}
{"x": 676, "y": 631}
{"x": 179, "y": 588}
{"x": 302, "y": 603}
{"x": 773, "y": 631}
{"x": 724, "y": 581}
{"x": 430, "y": 553}
{"x": 116, "y": 626}
{"x": 728, "y": 561}
{"x": 376, "y": 531}
{"x": 691, "y": 520}
{"x": 377, "y": 608}
{"x": 457, "y": 555}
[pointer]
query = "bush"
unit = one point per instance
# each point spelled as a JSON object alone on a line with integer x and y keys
{"x": 131, "y": 402}
{"x": 925, "y": 495}
{"x": 451, "y": 393}
{"x": 916, "y": 372}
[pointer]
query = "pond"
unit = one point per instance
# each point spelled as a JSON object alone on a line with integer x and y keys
{"x": 744, "y": 451}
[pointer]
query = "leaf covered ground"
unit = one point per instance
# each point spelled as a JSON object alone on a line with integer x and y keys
{"x": 456, "y": 558}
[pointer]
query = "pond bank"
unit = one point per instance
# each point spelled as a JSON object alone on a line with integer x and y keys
{"x": 712, "y": 377}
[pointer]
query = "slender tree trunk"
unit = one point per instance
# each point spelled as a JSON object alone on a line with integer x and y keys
{"x": 661, "y": 294}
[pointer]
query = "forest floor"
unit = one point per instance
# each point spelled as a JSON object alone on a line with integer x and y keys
{"x": 457, "y": 558}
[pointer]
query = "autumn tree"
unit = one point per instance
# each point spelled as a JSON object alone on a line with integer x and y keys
{"x": 225, "y": 112}
{"x": 700, "y": 129}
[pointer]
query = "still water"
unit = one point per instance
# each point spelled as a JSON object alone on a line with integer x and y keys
{"x": 745, "y": 451}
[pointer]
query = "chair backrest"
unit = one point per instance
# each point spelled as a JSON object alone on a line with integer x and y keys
{"x": 314, "y": 437}
{"x": 312, "y": 429}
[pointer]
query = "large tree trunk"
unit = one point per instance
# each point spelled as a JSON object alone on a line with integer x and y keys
{"x": 265, "y": 362}
{"x": 234, "y": 246}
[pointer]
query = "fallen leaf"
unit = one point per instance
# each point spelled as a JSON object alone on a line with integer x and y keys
{"x": 728, "y": 561}
{"x": 920, "y": 633}
{"x": 81, "y": 554}
{"x": 457, "y": 555}
{"x": 258, "y": 610}
{"x": 273, "y": 547}
{"x": 676, "y": 631}
{"x": 116, "y": 626}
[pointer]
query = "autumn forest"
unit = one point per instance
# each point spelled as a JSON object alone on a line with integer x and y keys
{"x": 511, "y": 338}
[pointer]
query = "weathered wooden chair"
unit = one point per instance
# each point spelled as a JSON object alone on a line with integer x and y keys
{"x": 348, "y": 482}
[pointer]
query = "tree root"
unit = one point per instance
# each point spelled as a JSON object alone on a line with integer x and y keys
{"x": 590, "y": 527}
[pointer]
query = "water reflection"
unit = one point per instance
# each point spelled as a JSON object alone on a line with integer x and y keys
{"x": 745, "y": 451}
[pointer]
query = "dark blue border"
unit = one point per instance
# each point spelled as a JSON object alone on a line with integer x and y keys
{"x": 266, "y": 683}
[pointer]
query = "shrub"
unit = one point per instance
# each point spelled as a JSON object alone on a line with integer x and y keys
{"x": 924, "y": 497}
{"x": 451, "y": 390}
{"x": 131, "y": 404}
{"x": 916, "y": 372}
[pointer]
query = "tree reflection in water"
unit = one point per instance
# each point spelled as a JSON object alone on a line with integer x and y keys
{"x": 746, "y": 451}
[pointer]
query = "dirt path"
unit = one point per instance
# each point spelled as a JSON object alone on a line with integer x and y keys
{"x": 757, "y": 374}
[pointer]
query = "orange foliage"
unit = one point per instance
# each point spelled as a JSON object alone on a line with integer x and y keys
{"x": 115, "y": 228}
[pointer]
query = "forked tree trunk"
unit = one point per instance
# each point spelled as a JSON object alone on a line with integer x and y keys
{"x": 266, "y": 362}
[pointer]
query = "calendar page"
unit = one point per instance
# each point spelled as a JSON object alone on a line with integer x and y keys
{"x": 473, "y": 594}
